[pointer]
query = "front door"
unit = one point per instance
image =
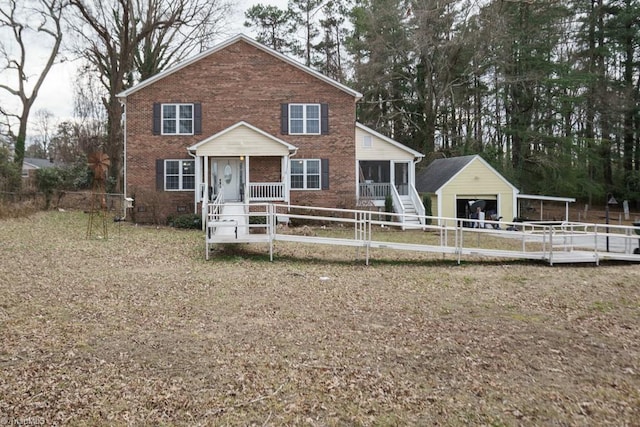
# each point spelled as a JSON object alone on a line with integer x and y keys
{"x": 228, "y": 173}
{"x": 401, "y": 178}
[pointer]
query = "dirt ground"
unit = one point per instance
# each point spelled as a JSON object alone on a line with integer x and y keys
{"x": 138, "y": 329}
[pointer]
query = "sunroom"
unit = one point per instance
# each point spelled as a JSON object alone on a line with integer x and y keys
{"x": 386, "y": 169}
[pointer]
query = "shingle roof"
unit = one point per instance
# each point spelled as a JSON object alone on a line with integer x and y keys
{"x": 439, "y": 172}
{"x": 38, "y": 163}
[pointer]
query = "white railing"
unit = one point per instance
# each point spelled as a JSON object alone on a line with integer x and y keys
{"x": 553, "y": 242}
{"x": 417, "y": 202}
{"x": 375, "y": 190}
{"x": 398, "y": 206}
{"x": 266, "y": 191}
{"x": 215, "y": 208}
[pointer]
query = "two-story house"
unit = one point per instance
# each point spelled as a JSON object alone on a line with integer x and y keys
{"x": 247, "y": 121}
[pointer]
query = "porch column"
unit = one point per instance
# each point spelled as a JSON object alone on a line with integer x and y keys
{"x": 205, "y": 193}
{"x": 392, "y": 173}
{"x": 197, "y": 191}
{"x": 284, "y": 177}
{"x": 247, "y": 185}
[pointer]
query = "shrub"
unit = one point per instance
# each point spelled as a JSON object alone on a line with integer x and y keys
{"x": 189, "y": 221}
{"x": 47, "y": 181}
{"x": 426, "y": 201}
{"x": 388, "y": 205}
{"x": 10, "y": 174}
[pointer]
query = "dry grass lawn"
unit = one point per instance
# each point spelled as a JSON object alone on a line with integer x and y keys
{"x": 139, "y": 329}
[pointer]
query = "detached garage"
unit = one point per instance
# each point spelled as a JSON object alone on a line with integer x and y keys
{"x": 455, "y": 184}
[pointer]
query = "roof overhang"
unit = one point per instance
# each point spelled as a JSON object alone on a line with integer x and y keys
{"x": 242, "y": 139}
{"x": 546, "y": 198}
{"x": 388, "y": 140}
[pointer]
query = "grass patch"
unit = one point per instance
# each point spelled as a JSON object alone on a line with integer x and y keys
{"x": 140, "y": 329}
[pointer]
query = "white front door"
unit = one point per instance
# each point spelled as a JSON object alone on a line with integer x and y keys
{"x": 229, "y": 173}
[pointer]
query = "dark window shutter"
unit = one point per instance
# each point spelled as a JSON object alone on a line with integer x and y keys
{"x": 324, "y": 169}
{"x": 324, "y": 119}
{"x": 197, "y": 119}
{"x": 160, "y": 174}
{"x": 284, "y": 119}
{"x": 157, "y": 118}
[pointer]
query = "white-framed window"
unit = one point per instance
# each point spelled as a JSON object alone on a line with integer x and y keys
{"x": 304, "y": 119}
{"x": 179, "y": 175}
{"x": 367, "y": 141}
{"x": 177, "y": 119}
{"x": 305, "y": 174}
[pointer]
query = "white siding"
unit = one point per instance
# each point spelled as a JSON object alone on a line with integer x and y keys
{"x": 379, "y": 150}
{"x": 242, "y": 141}
{"x": 477, "y": 181}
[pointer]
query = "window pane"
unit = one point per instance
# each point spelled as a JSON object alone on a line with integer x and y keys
{"x": 313, "y": 181}
{"x": 169, "y": 126}
{"x": 168, "y": 111}
{"x": 188, "y": 167}
{"x": 297, "y": 167}
{"x": 313, "y": 126}
{"x": 296, "y": 126}
{"x": 313, "y": 166}
{"x": 296, "y": 111}
{"x": 186, "y": 126}
{"x": 172, "y": 167}
{"x": 188, "y": 182}
{"x": 173, "y": 182}
{"x": 313, "y": 111}
{"x": 186, "y": 111}
{"x": 297, "y": 181}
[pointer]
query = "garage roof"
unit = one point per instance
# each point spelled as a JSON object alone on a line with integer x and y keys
{"x": 439, "y": 172}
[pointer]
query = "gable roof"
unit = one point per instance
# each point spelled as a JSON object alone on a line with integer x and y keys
{"x": 442, "y": 171}
{"x": 389, "y": 140}
{"x": 225, "y": 44}
{"x": 194, "y": 148}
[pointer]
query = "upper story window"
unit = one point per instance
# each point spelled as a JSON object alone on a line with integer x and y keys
{"x": 179, "y": 175}
{"x": 304, "y": 119}
{"x": 177, "y": 119}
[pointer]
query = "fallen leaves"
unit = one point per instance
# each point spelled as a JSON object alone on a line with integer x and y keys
{"x": 139, "y": 329}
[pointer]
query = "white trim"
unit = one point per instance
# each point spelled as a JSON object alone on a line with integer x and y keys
{"x": 291, "y": 148}
{"x": 305, "y": 119}
{"x": 177, "y": 119}
{"x": 180, "y": 175}
{"x": 546, "y": 198}
{"x": 389, "y": 140}
{"x": 225, "y": 44}
{"x": 306, "y": 174}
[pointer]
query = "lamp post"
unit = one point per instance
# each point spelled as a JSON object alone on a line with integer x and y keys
{"x": 611, "y": 201}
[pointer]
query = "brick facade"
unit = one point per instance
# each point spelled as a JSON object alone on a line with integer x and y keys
{"x": 239, "y": 82}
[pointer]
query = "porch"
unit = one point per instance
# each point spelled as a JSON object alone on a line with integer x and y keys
{"x": 241, "y": 164}
{"x": 380, "y": 180}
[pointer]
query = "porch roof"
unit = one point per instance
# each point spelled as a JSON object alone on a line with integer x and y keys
{"x": 242, "y": 139}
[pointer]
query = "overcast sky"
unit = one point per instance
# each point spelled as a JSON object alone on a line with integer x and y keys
{"x": 56, "y": 94}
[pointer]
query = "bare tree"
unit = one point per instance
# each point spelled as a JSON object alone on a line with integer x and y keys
{"x": 128, "y": 40}
{"x": 22, "y": 23}
{"x": 44, "y": 124}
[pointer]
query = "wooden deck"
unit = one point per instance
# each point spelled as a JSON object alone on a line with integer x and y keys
{"x": 562, "y": 243}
